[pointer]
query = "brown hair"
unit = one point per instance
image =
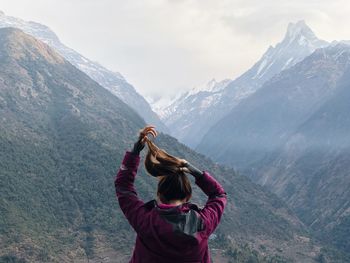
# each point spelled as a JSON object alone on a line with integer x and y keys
{"x": 173, "y": 183}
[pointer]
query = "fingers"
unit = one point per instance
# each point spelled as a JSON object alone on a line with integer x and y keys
{"x": 149, "y": 129}
{"x": 146, "y": 129}
{"x": 153, "y": 132}
{"x": 184, "y": 169}
{"x": 183, "y": 162}
{"x": 143, "y": 141}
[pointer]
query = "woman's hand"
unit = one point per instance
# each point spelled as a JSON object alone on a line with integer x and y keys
{"x": 140, "y": 144}
{"x": 189, "y": 168}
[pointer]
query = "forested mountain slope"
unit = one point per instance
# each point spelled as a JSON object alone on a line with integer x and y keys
{"x": 62, "y": 139}
{"x": 292, "y": 136}
{"x": 112, "y": 81}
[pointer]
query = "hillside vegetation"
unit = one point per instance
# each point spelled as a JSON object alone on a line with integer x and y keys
{"x": 62, "y": 140}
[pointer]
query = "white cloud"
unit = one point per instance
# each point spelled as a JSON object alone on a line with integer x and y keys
{"x": 166, "y": 46}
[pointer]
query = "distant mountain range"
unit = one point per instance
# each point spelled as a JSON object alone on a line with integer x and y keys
{"x": 62, "y": 138}
{"x": 193, "y": 113}
{"x": 292, "y": 136}
{"x": 112, "y": 81}
{"x": 284, "y": 123}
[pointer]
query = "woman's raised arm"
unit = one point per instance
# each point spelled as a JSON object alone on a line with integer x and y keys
{"x": 217, "y": 198}
{"x": 129, "y": 202}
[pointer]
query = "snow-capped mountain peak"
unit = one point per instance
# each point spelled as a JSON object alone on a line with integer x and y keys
{"x": 294, "y": 30}
{"x": 299, "y": 42}
{"x": 190, "y": 116}
{"x": 303, "y": 34}
{"x": 169, "y": 107}
{"x": 211, "y": 86}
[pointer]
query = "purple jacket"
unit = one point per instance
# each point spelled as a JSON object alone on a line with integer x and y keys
{"x": 168, "y": 233}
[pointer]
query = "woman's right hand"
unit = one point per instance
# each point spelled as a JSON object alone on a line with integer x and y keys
{"x": 140, "y": 144}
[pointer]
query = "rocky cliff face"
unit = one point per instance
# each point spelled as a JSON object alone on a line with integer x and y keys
{"x": 61, "y": 141}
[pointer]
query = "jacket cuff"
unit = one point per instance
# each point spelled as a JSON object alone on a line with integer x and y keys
{"x": 131, "y": 160}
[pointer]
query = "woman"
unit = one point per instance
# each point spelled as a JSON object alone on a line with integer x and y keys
{"x": 169, "y": 229}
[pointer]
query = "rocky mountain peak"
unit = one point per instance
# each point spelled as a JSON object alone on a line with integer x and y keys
{"x": 301, "y": 33}
{"x": 299, "y": 28}
{"x": 298, "y": 42}
{"x": 20, "y": 45}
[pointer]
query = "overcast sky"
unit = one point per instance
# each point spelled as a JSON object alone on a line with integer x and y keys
{"x": 164, "y": 47}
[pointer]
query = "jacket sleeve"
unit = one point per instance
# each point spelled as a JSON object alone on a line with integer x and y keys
{"x": 129, "y": 202}
{"x": 217, "y": 199}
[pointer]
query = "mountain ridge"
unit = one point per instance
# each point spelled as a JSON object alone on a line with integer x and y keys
{"x": 292, "y": 139}
{"x": 189, "y": 122}
{"x": 61, "y": 142}
{"x": 112, "y": 81}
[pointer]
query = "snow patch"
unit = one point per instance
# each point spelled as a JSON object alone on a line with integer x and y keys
{"x": 287, "y": 63}
{"x": 261, "y": 67}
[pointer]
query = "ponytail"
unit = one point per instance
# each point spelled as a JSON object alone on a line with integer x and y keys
{"x": 173, "y": 183}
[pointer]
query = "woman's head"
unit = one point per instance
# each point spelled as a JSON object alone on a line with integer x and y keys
{"x": 173, "y": 183}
